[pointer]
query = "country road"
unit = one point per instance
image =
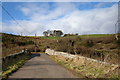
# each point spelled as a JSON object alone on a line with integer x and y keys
{"x": 41, "y": 66}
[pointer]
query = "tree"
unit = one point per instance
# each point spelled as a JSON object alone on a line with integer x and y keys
{"x": 45, "y": 33}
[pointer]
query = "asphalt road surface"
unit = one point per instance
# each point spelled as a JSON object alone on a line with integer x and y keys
{"x": 41, "y": 66}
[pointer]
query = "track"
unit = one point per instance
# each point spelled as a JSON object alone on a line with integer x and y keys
{"x": 41, "y": 66}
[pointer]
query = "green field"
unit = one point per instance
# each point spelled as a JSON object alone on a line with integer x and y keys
{"x": 89, "y": 35}
{"x": 96, "y": 35}
{"x": 49, "y": 37}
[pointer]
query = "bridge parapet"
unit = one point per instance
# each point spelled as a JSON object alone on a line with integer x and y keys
{"x": 12, "y": 59}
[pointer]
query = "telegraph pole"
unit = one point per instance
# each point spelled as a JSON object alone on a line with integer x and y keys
{"x": 21, "y": 33}
{"x": 35, "y": 35}
{"x": 35, "y": 43}
{"x": 116, "y": 33}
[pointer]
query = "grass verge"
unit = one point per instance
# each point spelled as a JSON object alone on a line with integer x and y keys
{"x": 83, "y": 71}
{"x": 67, "y": 65}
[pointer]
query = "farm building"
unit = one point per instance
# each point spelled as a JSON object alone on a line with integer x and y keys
{"x": 54, "y": 33}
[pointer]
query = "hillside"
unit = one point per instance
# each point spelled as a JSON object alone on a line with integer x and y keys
{"x": 102, "y": 47}
{"x": 13, "y": 43}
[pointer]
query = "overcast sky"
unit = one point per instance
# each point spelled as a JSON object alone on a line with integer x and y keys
{"x": 70, "y": 17}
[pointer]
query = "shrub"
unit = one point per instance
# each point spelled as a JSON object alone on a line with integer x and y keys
{"x": 66, "y": 44}
{"x": 118, "y": 41}
{"x": 29, "y": 42}
{"x": 20, "y": 43}
{"x": 25, "y": 43}
{"x": 89, "y": 43}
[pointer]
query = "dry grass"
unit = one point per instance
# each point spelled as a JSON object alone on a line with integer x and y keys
{"x": 87, "y": 70}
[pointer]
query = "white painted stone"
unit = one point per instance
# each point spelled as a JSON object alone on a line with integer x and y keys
{"x": 83, "y": 59}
